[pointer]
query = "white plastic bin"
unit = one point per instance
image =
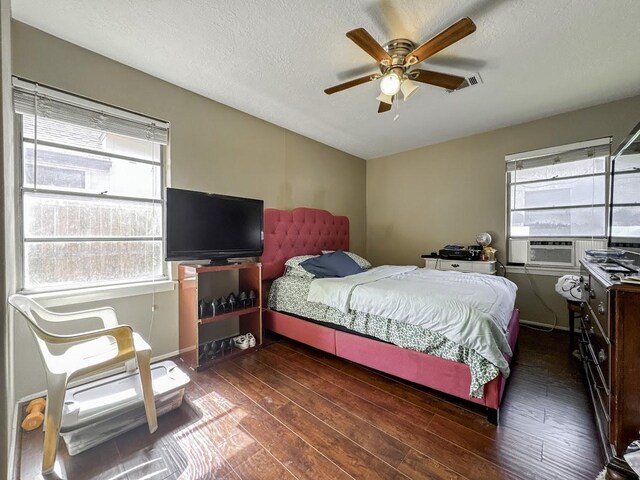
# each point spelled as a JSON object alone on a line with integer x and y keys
{"x": 100, "y": 410}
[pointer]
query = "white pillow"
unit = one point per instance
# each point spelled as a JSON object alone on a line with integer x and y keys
{"x": 293, "y": 268}
{"x": 362, "y": 262}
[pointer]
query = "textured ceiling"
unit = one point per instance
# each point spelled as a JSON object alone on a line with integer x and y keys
{"x": 273, "y": 59}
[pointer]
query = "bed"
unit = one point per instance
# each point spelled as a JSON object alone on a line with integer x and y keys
{"x": 348, "y": 334}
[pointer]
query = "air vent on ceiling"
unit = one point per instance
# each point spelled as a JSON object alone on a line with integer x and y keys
{"x": 471, "y": 81}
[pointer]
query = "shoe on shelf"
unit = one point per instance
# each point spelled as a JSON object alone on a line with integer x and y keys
{"x": 204, "y": 352}
{"x": 214, "y": 349}
{"x": 206, "y": 308}
{"x": 223, "y": 305}
{"x": 231, "y": 300}
{"x": 241, "y": 342}
{"x": 252, "y": 298}
{"x": 214, "y": 307}
{"x": 251, "y": 340}
{"x": 243, "y": 300}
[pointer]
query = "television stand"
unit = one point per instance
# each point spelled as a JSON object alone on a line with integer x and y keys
{"x": 206, "y": 338}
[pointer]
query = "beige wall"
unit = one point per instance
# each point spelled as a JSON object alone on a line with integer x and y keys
{"x": 213, "y": 148}
{"x": 420, "y": 200}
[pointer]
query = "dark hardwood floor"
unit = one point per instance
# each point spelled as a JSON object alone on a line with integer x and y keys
{"x": 289, "y": 411}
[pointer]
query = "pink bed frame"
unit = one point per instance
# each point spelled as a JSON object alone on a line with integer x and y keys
{"x": 305, "y": 231}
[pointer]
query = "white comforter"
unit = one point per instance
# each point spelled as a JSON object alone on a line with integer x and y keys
{"x": 470, "y": 309}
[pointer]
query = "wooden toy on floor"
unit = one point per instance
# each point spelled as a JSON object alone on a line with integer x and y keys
{"x": 35, "y": 416}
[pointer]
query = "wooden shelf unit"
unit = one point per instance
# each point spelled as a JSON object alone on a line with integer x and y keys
{"x": 224, "y": 316}
{"x": 198, "y": 282}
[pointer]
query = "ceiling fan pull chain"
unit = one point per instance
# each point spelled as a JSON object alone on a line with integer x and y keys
{"x": 397, "y": 102}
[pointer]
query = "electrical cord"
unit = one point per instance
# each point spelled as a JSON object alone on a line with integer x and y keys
{"x": 503, "y": 267}
{"x": 535, "y": 292}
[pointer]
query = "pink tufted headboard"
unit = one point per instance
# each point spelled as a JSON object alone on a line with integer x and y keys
{"x": 301, "y": 231}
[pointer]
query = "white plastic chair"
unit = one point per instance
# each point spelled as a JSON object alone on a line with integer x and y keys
{"x": 87, "y": 353}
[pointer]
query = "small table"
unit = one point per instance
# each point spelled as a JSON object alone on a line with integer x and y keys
{"x": 574, "y": 307}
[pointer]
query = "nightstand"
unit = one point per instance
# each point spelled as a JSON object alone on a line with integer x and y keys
{"x": 477, "y": 266}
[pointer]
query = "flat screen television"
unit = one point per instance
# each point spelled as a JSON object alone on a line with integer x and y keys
{"x": 208, "y": 226}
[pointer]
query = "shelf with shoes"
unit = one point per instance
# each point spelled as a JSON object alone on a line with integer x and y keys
{"x": 216, "y": 309}
{"x": 214, "y": 351}
{"x": 219, "y": 306}
{"x": 224, "y": 316}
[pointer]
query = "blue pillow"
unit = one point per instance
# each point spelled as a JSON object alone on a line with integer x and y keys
{"x": 334, "y": 264}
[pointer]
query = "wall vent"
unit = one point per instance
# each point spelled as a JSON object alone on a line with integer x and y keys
{"x": 471, "y": 81}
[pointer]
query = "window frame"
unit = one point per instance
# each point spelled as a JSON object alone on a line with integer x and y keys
{"x": 20, "y": 189}
{"x": 629, "y": 141}
{"x": 559, "y": 150}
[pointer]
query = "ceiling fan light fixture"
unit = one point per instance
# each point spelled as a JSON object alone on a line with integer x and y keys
{"x": 408, "y": 88}
{"x": 390, "y": 83}
{"x": 385, "y": 98}
{"x": 396, "y": 60}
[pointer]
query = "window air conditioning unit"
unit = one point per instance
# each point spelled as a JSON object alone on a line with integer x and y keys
{"x": 524, "y": 251}
{"x": 551, "y": 253}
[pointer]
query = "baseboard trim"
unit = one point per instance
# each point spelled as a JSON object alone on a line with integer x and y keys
{"x": 13, "y": 461}
{"x": 543, "y": 325}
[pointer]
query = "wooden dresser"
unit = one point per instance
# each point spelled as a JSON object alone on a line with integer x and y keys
{"x": 610, "y": 349}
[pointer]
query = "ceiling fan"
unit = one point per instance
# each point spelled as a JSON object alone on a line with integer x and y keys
{"x": 397, "y": 58}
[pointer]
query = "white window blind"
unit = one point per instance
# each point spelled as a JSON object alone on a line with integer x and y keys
{"x": 63, "y": 107}
{"x": 91, "y": 191}
{"x": 559, "y": 192}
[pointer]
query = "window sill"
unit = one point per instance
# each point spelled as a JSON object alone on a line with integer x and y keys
{"x": 548, "y": 271}
{"x": 94, "y": 294}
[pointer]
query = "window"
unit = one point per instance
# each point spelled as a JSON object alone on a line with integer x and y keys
{"x": 560, "y": 192}
{"x": 91, "y": 191}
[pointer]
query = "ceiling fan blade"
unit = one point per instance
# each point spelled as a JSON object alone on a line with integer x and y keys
{"x": 384, "y": 107}
{"x": 451, "y": 35}
{"x": 444, "y": 80}
{"x": 351, "y": 83}
{"x": 366, "y": 42}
